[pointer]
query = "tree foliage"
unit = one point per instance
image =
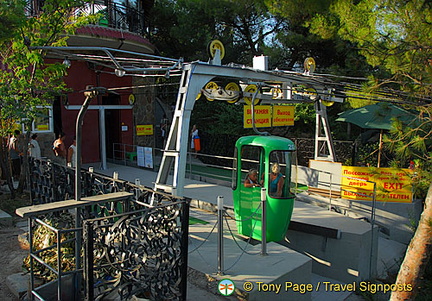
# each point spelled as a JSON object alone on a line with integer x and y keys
{"x": 27, "y": 80}
{"x": 185, "y": 27}
{"x": 394, "y": 36}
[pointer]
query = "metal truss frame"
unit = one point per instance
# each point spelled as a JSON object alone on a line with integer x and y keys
{"x": 194, "y": 77}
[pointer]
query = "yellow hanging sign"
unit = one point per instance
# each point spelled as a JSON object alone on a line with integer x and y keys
{"x": 263, "y": 116}
{"x": 283, "y": 116}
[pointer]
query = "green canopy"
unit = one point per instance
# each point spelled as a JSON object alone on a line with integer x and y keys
{"x": 376, "y": 116}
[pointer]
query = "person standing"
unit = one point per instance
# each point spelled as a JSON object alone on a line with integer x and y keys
{"x": 59, "y": 149}
{"x": 14, "y": 154}
{"x": 195, "y": 142}
{"x": 34, "y": 148}
{"x": 72, "y": 156}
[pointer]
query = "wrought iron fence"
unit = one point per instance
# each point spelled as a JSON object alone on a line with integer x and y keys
{"x": 137, "y": 254}
{"x": 131, "y": 246}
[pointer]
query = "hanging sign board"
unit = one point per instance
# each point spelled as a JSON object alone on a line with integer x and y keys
{"x": 267, "y": 116}
{"x": 283, "y": 116}
{"x": 148, "y": 157}
{"x": 145, "y": 129}
{"x": 392, "y": 185}
{"x": 263, "y": 116}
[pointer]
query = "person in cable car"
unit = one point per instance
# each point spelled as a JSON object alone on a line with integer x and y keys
{"x": 251, "y": 179}
{"x": 276, "y": 180}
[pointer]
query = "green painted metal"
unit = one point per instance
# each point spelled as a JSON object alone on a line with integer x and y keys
{"x": 247, "y": 199}
{"x": 376, "y": 116}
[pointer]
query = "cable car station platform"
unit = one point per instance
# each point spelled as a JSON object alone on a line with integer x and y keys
{"x": 323, "y": 253}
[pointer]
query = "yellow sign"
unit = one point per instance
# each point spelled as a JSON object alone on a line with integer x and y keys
{"x": 143, "y": 130}
{"x": 283, "y": 115}
{"x": 392, "y": 185}
{"x": 42, "y": 127}
{"x": 263, "y": 115}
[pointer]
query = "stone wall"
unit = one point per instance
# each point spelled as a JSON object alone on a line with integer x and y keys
{"x": 144, "y": 110}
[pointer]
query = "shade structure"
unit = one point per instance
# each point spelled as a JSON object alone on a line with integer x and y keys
{"x": 376, "y": 116}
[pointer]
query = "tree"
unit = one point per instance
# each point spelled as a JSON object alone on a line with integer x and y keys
{"x": 395, "y": 37}
{"x": 27, "y": 81}
{"x": 11, "y": 17}
{"x": 417, "y": 256}
{"x": 181, "y": 29}
{"x": 185, "y": 27}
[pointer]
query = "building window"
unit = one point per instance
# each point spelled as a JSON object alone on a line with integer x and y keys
{"x": 43, "y": 122}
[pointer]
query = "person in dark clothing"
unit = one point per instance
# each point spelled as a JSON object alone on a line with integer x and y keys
{"x": 15, "y": 154}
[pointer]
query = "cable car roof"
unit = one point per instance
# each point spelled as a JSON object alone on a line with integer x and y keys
{"x": 269, "y": 142}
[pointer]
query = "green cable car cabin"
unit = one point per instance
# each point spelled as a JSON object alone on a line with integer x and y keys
{"x": 263, "y": 161}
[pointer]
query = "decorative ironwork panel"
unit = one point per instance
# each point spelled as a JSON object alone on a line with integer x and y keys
{"x": 141, "y": 253}
{"x": 134, "y": 246}
{"x": 50, "y": 182}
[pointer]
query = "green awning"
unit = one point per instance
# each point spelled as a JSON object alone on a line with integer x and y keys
{"x": 376, "y": 116}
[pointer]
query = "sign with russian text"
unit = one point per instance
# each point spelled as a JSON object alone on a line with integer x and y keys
{"x": 144, "y": 129}
{"x": 263, "y": 116}
{"x": 392, "y": 185}
{"x": 283, "y": 116}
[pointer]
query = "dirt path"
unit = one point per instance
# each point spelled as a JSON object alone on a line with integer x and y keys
{"x": 11, "y": 259}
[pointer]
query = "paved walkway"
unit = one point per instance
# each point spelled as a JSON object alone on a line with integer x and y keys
{"x": 205, "y": 259}
{"x": 208, "y": 193}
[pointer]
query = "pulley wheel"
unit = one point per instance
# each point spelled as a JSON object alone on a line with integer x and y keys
{"x": 213, "y": 45}
{"x": 251, "y": 89}
{"x": 232, "y": 86}
{"x": 211, "y": 86}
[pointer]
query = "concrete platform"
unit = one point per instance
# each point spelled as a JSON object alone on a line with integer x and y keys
{"x": 268, "y": 275}
{"x": 353, "y": 254}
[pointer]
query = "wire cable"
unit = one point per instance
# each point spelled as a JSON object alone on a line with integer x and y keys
{"x": 205, "y": 240}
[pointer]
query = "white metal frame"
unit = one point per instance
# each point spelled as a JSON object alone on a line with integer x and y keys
{"x": 194, "y": 77}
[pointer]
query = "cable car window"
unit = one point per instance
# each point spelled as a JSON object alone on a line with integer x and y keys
{"x": 279, "y": 174}
{"x": 251, "y": 156}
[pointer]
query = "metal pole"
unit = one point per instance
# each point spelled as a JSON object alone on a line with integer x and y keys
{"x": 89, "y": 260}
{"x": 102, "y": 138}
{"x": 220, "y": 202}
{"x": 330, "y": 196}
{"x": 372, "y": 229}
{"x": 32, "y": 283}
{"x": 184, "y": 248}
{"x": 263, "y": 222}
{"x": 78, "y": 129}
{"x": 59, "y": 264}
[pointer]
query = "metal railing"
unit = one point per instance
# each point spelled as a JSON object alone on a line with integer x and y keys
{"x": 126, "y": 154}
{"x": 125, "y": 239}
